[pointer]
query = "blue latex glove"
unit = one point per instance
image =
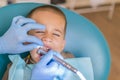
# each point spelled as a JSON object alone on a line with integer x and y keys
{"x": 12, "y": 41}
{"x": 48, "y": 69}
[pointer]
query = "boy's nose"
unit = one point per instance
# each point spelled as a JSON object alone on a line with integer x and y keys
{"x": 47, "y": 38}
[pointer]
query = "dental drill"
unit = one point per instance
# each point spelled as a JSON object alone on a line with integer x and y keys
{"x": 65, "y": 64}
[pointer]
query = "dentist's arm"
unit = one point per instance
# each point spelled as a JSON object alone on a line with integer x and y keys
{"x": 48, "y": 69}
{"x": 12, "y": 41}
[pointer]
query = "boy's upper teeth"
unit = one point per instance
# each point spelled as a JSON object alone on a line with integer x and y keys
{"x": 45, "y": 48}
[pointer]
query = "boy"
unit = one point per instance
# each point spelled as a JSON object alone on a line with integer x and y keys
{"x": 53, "y": 37}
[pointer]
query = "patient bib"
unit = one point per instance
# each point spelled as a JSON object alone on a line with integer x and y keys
{"x": 20, "y": 71}
{"x": 84, "y": 65}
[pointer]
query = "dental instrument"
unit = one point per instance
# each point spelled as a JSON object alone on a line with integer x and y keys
{"x": 65, "y": 64}
{"x": 68, "y": 66}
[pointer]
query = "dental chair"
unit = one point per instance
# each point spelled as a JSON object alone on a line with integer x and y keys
{"x": 83, "y": 38}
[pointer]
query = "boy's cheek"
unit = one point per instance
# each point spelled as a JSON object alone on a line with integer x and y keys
{"x": 57, "y": 48}
{"x": 34, "y": 55}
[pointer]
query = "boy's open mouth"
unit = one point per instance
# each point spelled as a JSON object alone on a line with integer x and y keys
{"x": 42, "y": 50}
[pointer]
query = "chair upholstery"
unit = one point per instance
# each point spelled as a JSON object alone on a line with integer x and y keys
{"x": 83, "y": 38}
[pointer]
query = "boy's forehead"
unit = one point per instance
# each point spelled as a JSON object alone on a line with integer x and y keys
{"x": 49, "y": 11}
{"x": 49, "y": 16}
{"x": 42, "y": 13}
{"x": 46, "y": 9}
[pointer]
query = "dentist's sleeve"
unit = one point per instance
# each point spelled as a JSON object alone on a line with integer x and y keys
{"x": 12, "y": 41}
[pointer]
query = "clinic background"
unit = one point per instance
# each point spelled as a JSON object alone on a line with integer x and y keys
{"x": 105, "y": 14}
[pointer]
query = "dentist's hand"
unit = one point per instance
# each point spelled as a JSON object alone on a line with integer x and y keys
{"x": 12, "y": 41}
{"x": 48, "y": 69}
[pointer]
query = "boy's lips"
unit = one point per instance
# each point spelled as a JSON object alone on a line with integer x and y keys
{"x": 42, "y": 50}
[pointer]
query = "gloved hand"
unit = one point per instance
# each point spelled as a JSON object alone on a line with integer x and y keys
{"x": 48, "y": 69}
{"x": 12, "y": 41}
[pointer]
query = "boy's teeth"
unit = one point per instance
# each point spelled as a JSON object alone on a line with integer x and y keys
{"x": 42, "y": 50}
{"x": 45, "y": 48}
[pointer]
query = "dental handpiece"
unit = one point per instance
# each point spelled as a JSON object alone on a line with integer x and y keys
{"x": 65, "y": 64}
{"x": 68, "y": 66}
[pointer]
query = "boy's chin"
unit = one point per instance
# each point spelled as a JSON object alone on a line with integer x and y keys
{"x": 36, "y": 61}
{"x": 34, "y": 51}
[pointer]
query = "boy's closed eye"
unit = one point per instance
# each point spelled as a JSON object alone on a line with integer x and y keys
{"x": 32, "y": 32}
{"x": 40, "y": 31}
{"x": 56, "y": 34}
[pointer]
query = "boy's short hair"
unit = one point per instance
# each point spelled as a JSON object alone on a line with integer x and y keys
{"x": 50, "y": 8}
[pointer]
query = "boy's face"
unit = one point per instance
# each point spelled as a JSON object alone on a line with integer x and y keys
{"x": 52, "y": 36}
